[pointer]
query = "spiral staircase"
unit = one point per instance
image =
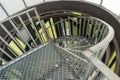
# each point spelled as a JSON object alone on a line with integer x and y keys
{"x": 59, "y": 41}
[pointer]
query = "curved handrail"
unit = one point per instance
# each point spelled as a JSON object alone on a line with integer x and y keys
{"x": 106, "y": 40}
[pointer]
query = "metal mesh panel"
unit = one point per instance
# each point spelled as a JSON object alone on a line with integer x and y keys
{"x": 44, "y": 64}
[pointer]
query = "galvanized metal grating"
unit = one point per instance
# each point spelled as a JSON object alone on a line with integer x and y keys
{"x": 46, "y": 63}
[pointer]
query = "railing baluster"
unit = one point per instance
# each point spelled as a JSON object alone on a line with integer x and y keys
{"x": 43, "y": 38}
{"x": 69, "y": 26}
{"x": 62, "y": 26}
{"x": 91, "y": 29}
{"x": 45, "y": 29}
{"x": 31, "y": 21}
{"x": 84, "y": 21}
{"x": 80, "y": 29}
{"x": 17, "y": 54}
{"x": 96, "y": 37}
{"x": 94, "y": 30}
{"x": 78, "y": 26}
{"x": 87, "y": 27}
{"x": 104, "y": 33}
{"x": 42, "y": 24}
{"x": 52, "y": 27}
{"x": 15, "y": 27}
{"x": 25, "y": 27}
{"x": 6, "y": 53}
{"x": 3, "y": 60}
{"x": 72, "y": 27}
{"x": 2, "y": 26}
{"x": 101, "y": 32}
{"x": 57, "y": 25}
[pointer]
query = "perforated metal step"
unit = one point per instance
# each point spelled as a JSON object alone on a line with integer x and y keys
{"x": 46, "y": 63}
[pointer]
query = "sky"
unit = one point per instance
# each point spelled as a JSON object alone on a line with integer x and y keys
{"x": 13, "y": 6}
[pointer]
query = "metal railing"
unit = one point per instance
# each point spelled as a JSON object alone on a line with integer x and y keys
{"x": 94, "y": 32}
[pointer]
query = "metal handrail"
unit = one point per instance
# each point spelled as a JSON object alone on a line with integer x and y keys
{"x": 96, "y": 62}
{"x": 105, "y": 41}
